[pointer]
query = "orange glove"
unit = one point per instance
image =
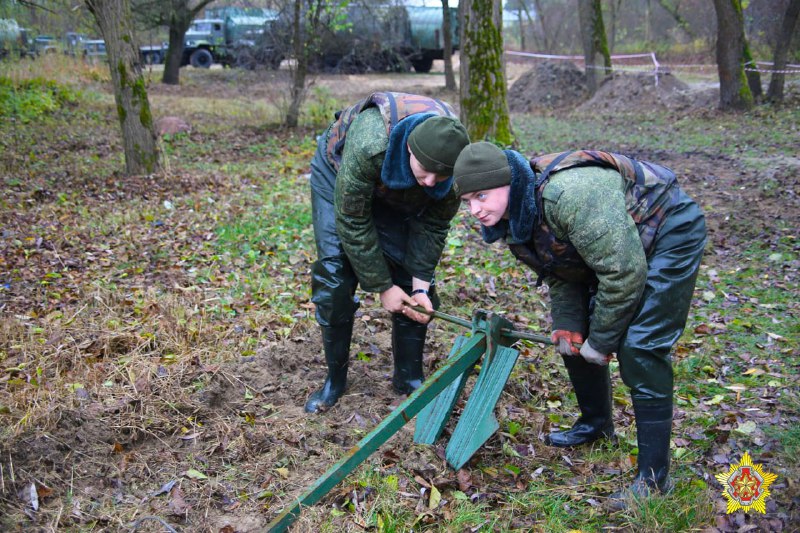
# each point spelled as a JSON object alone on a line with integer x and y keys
{"x": 565, "y": 340}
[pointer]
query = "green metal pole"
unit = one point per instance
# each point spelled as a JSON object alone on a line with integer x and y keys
{"x": 510, "y": 333}
{"x": 436, "y": 383}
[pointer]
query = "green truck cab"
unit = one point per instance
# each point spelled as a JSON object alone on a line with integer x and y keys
{"x": 236, "y": 41}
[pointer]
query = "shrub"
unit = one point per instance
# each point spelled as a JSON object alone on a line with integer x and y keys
{"x": 27, "y": 100}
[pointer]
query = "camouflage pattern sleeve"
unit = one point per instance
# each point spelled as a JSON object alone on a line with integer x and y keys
{"x": 358, "y": 175}
{"x": 586, "y": 206}
{"x": 428, "y": 235}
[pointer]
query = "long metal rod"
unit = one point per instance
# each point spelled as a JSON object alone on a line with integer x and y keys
{"x": 439, "y": 380}
{"x": 510, "y": 333}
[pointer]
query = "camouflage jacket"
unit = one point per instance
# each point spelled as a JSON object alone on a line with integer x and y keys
{"x": 360, "y": 195}
{"x": 393, "y": 107}
{"x": 599, "y": 225}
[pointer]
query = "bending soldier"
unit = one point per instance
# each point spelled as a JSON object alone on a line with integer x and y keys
{"x": 619, "y": 245}
{"x": 382, "y": 201}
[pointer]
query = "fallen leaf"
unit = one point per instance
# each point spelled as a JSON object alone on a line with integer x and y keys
{"x": 283, "y": 472}
{"x": 34, "y": 497}
{"x": 746, "y": 428}
{"x": 165, "y": 488}
{"x": 195, "y": 474}
{"x": 715, "y": 400}
{"x": 435, "y": 498}
{"x": 464, "y": 479}
{"x": 177, "y": 504}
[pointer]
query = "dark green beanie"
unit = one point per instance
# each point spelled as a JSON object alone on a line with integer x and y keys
{"x": 437, "y": 142}
{"x": 479, "y": 167}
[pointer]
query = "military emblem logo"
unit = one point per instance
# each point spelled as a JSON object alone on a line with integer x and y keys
{"x": 746, "y": 486}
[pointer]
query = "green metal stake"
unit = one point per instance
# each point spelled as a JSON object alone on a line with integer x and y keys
{"x": 451, "y": 370}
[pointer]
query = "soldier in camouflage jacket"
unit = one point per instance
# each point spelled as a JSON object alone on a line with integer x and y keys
{"x": 382, "y": 201}
{"x": 619, "y": 245}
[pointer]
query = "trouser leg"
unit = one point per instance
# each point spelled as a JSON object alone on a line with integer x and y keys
{"x": 645, "y": 354}
{"x": 333, "y": 285}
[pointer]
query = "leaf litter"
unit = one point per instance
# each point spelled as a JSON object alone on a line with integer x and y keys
{"x": 142, "y": 376}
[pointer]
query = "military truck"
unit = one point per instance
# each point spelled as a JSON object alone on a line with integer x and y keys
{"x": 366, "y": 37}
{"x": 231, "y": 41}
{"x": 427, "y": 36}
{"x": 14, "y": 40}
{"x": 73, "y": 42}
{"x": 153, "y": 54}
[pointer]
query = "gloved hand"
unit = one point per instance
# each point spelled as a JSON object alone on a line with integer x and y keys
{"x": 593, "y": 356}
{"x": 564, "y": 340}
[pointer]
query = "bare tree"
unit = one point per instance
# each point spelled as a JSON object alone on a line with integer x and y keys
{"x": 672, "y": 8}
{"x": 177, "y": 15}
{"x": 484, "y": 107}
{"x": 301, "y": 50}
{"x": 595, "y": 45}
{"x": 775, "y": 90}
{"x": 734, "y": 92}
{"x": 449, "y": 76}
{"x": 133, "y": 108}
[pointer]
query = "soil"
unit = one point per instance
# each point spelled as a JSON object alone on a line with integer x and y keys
{"x": 98, "y": 450}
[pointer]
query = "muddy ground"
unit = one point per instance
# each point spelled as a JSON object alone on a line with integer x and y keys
{"x": 126, "y": 462}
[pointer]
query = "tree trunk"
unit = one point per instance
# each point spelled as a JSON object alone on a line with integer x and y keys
{"x": 595, "y": 45}
{"x": 449, "y": 76}
{"x": 545, "y": 31}
{"x": 734, "y": 93}
{"x": 298, "y": 89}
{"x": 172, "y": 63}
{"x": 138, "y": 137}
{"x": 484, "y": 108}
{"x": 776, "y": 82}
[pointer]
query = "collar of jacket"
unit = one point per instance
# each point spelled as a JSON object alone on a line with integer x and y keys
{"x": 522, "y": 209}
{"x": 396, "y": 170}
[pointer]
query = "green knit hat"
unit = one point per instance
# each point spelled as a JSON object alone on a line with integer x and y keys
{"x": 436, "y": 143}
{"x": 479, "y": 167}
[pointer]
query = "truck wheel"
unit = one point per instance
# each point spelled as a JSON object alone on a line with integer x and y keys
{"x": 201, "y": 58}
{"x": 423, "y": 64}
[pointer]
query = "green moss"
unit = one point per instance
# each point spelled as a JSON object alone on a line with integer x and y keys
{"x": 140, "y": 97}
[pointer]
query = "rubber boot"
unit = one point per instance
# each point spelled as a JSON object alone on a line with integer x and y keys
{"x": 336, "y": 343}
{"x": 653, "y": 430}
{"x": 408, "y": 341}
{"x": 592, "y": 384}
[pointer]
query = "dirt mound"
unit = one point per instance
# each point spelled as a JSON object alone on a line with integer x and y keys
{"x": 548, "y": 85}
{"x": 625, "y": 91}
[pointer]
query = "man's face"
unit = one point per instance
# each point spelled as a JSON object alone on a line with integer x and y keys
{"x": 488, "y": 206}
{"x": 424, "y": 177}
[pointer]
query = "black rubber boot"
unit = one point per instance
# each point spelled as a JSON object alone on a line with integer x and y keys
{"x": 408, "y": 341}
{"x": 653, "y": 430}
{"x": 592, "y": 385}
{"x": 336, "y": 343}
